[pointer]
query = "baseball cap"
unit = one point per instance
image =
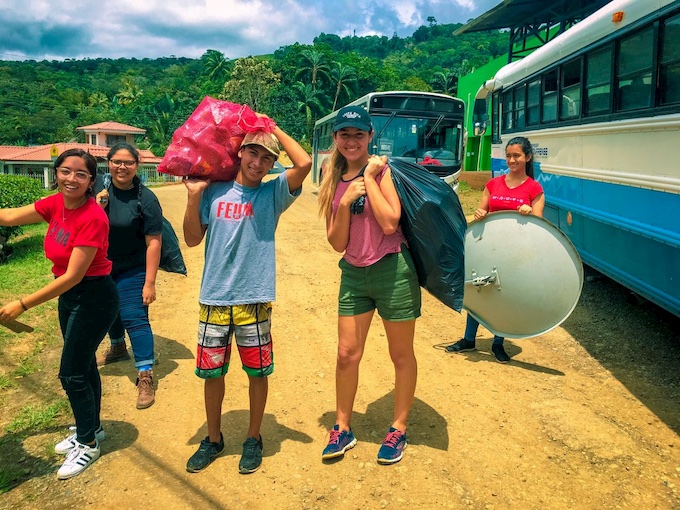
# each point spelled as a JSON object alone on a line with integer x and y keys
{"x": 266, "y": 140}
{"x": 353, "y": 116}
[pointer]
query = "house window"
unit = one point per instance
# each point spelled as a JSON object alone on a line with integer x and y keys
{"x": 93, "y": 139}
{"x": 111, "y": 140}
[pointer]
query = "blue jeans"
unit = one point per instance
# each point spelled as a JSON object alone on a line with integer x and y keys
{"x": 471, "y": 331}
{"x": 133, "y": 316}
{"x": 85, "y": 314}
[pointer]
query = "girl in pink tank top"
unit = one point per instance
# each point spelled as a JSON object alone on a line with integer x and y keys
{"x": 362, "y": 211}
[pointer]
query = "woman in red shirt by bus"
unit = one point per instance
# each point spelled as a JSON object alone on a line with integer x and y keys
{"x": 515, "y": 191}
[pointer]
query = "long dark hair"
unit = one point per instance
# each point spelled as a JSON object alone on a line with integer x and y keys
{"x": 90, "y": 163}
{"x": 123, "y": 146}
{"x": 528, "y": 151}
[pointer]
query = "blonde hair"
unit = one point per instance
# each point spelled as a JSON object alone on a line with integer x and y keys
{"x": 337, "y": 167}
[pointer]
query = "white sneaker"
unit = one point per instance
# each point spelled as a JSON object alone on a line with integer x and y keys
{"x": 65, "y": 446}
{"x": 78, "y": 459}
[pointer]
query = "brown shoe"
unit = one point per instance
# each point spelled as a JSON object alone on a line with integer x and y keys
{"x": 114, "y": 353}
{"x": 146, "y": 395}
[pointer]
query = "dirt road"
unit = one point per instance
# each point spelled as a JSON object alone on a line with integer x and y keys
{"x": 585, "y": 416}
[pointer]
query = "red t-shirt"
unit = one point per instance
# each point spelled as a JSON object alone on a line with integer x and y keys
{"x": 503, "y": 198}
{"x": 86, "y": 226}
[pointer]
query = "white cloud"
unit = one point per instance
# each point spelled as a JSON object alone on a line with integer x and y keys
{"x": 61, "y": 29}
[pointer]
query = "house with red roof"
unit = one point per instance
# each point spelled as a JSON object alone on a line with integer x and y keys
{"x": 37, "y": 161}
{"x": 108, "y": 133}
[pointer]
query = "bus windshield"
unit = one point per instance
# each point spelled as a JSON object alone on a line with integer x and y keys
{"x": 420, "y": 127}
{"x": 430, "y": 141}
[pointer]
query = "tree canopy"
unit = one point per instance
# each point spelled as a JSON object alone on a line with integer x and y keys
{"x": 45, "y": 101}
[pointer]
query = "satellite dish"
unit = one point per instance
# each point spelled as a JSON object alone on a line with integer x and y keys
{"x": 523, "y": 276}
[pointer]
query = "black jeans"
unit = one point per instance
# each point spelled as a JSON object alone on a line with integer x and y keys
{"x": 86, "y": 313}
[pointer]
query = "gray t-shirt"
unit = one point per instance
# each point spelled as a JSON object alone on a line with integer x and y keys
{"x": 240, "y": 265}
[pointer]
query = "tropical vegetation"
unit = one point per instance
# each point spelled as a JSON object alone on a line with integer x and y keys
{"x": 45, "y": 101}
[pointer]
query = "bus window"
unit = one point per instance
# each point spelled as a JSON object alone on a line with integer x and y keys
{"x": 533, "y": 103}
{"x": 670, "y": 61}
{"x": 495, "y": 118}
{"x": 571, "y": 90}
{"x": 479, "y": 116}
{"x": 549, "y": 96}
{"x": 520, "y": 93}
{"x": 598, "y": 81}
{"x": 417, "y": 138}
{"x": 507, "y": 111}
{"x": 634, "y": 73}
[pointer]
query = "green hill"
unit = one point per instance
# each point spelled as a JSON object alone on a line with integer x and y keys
{"x": 43, "y": 102}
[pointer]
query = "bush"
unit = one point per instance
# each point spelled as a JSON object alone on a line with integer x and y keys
{"x": 15, "y": 191}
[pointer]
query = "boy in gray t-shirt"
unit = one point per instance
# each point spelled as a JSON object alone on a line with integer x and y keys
{"x": 238, "y": 220}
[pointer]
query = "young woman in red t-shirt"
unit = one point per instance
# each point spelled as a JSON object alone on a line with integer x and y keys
{"x": 514, "y": 191}
{"x": 76, "y": 242}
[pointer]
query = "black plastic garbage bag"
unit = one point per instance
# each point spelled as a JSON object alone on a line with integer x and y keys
{"x": 171, "y": 256}
{"x": 434, "y": 226}
{"x": 172, "y": 260}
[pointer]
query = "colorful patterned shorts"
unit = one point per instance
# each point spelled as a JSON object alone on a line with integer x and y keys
{"x": 250, "y": 324}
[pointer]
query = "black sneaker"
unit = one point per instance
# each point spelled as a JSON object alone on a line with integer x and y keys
{"x": 461, "y": 345}
{"x": 252, "y": 456}
{"x": 206, "y": 453}
{"x": 499, "y": 352}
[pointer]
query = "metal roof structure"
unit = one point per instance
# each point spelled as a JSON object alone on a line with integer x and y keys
{"x": 532, "y": 23}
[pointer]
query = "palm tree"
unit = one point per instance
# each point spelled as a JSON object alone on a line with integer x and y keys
{"x": 216, "y": 65}
{"x": 250, "y": 83}
{"x": 129, "y": 93}
{"x": 445, "y": 82}
{"x": 463, "y": 68}
{"x": 344, "y": 77}
{"x": 98, "y": 99}
{"x": 316, "y": 67}
{"x": 162, "y": 113}
{"x": 308, "y": 103}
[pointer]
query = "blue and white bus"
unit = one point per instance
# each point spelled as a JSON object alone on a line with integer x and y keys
{"x": 601, "y": 105}
{"x": 420, "y": 127}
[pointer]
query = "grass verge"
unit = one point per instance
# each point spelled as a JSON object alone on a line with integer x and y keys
{"x": 32, "y": 401}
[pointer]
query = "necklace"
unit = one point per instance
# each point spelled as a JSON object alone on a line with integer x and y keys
{"x": 65, "y": 216}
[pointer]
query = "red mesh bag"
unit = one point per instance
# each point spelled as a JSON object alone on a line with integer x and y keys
{"x": 207, "y": 144}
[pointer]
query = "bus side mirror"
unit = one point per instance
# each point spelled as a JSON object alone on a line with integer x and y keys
{"x": 479, "y": 117}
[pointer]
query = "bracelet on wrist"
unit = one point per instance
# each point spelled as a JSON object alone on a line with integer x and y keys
{"x": 23, "y": 305}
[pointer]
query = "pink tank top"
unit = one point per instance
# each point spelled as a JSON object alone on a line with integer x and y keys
{"x": 367, "y": 241}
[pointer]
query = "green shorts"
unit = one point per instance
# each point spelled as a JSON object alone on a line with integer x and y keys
{"x": 390, "y": 285}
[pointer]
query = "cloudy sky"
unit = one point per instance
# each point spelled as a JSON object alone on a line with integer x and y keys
{"x": 59, "y": 29}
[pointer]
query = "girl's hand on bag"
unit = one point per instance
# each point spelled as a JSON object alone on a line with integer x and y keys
{"x": 11, "y": 311}
{"x": 524, "y": 209}
{"x": 480, "y": 213}
{"x": 375, "y": 165}
{"x": 102, "y": 198}
{"x": 356, "y": 189}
